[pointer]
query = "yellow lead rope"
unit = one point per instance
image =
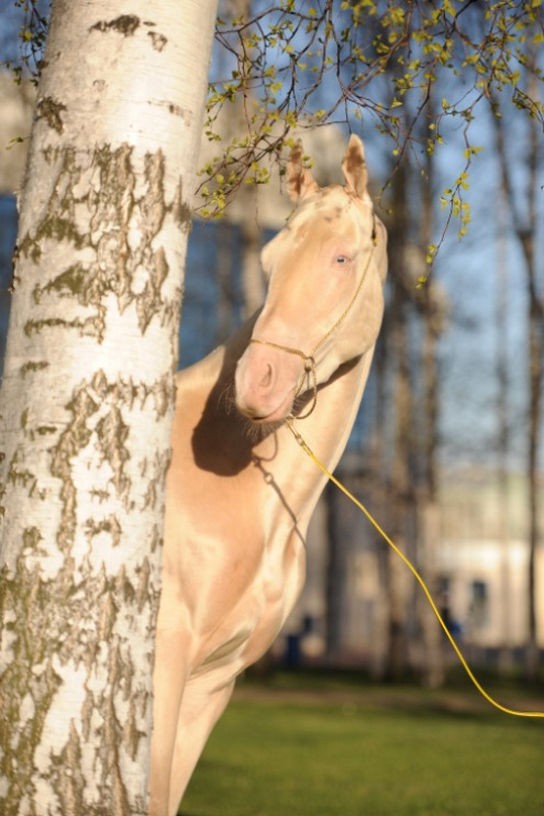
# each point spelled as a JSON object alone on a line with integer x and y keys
{"x": 306, "y": 448}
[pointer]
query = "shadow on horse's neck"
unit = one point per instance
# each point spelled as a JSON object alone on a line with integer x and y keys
{"x": 223, "y": 440}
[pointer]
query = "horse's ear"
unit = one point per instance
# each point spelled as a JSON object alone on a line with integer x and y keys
{"x": 300, "y": 181}
{"x": 354, "y": 167}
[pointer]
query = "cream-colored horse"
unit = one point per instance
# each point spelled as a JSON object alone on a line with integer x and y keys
{"x": 240, "y": 491}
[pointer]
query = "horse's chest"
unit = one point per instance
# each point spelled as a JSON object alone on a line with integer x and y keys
{"x": 257, "y": 608}
{"x": 244, "y": 569}
{"x": 281, "y": 579}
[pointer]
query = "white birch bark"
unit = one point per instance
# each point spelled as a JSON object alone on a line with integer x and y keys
{"x": 87, "y": 398}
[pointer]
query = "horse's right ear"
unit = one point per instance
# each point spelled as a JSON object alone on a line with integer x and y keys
{"x": 300, "y": 181}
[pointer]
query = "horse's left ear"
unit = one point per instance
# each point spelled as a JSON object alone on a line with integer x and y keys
{"x": 354, "y": 167}
{"x": 300, "y": 181}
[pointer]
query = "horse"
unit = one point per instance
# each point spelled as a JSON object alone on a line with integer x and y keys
{"x": 240, "y": 492}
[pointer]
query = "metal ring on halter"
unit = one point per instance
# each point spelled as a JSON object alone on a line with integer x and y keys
{"x": 311, "y": 377}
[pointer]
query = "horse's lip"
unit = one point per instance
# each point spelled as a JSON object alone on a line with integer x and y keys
{"x": 274, "y": 417}
{"x": 278, "y": 414}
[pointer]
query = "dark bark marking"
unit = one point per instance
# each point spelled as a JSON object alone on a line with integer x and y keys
{"x": 82, "y": 326}
{"x": 33, "y": 365}
{"x": 110, "y": 526}
{"x": 125, "y": 24}
{"x": 51, "y": 110}
{"x": 44, "y": 430}
{"x": 75, "y": 437}
{"x": 175, "y": 110}
{"x": 22, "y": 477}
{"x": 158, "y": 41}
{"x": 112, "y": 434}
{"x": 71, "y": 282}
{"x": 181, "y": 211}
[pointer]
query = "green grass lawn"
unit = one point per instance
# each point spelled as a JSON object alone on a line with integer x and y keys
{"x": 370, "y": 751}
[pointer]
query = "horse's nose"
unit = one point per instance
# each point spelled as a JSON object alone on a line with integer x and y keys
{"x": 255, "y": 381}
{"x": 265, "y": 382}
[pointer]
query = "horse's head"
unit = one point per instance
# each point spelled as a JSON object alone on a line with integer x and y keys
{"x": 324, "y": 306}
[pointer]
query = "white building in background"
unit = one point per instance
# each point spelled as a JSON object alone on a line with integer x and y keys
{"x": 484, "y": 556}
{"x": 480, "y": 568}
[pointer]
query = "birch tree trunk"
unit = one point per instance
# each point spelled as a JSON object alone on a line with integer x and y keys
{"x": 87, "y": 398}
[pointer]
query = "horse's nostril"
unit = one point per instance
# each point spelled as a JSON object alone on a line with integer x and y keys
{"x": 267, "y": 377}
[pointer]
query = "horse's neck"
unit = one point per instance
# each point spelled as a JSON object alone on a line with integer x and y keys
{"x": 328, "y": 428}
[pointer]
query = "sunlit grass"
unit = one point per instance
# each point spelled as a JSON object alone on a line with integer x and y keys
{"x": 409, "y": 753}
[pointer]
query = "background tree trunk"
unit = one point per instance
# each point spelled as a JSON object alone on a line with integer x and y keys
{"x": 431, "y": 310}
{"x": 506, "y": 662}
{"x": 524, "y": 218}
{"x": 87, "y": 398}
{"x": 401, "y": 496}
{"x": 242, "y": 109}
